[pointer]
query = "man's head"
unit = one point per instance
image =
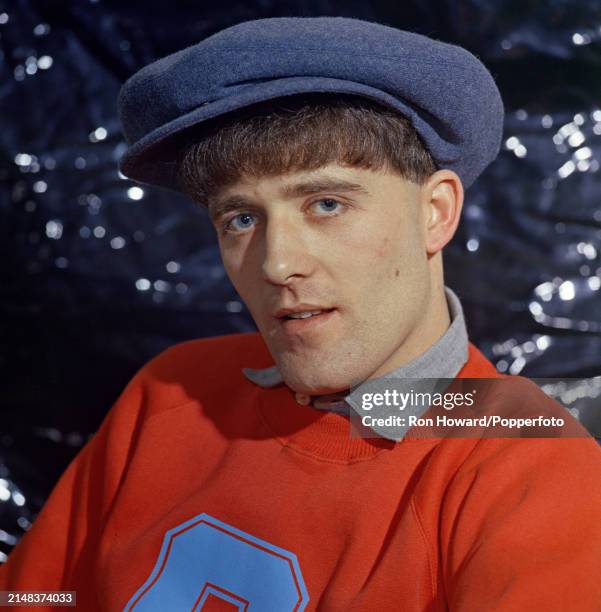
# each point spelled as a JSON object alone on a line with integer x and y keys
{"x": 340, "y": 207}
{"x": 329, "y": 203}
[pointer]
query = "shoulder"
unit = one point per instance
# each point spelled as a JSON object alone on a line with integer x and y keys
{"x": 228, "y": 352}
{"x": 200, "y": 370}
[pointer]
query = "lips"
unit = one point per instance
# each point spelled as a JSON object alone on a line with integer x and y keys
{"x": 294, "y": 326}
{"x": 307, "y": 314}
{"x": 283, "y": 313}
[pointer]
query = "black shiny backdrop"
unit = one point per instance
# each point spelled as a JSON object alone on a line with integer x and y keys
{"x": 97, "y": 275}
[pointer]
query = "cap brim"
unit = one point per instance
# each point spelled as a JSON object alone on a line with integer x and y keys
{"x": 152, "y": 159}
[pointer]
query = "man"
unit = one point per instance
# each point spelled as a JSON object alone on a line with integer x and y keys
{"x": 332, "y": 155}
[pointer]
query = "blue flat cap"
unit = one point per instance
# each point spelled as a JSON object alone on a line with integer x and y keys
{"x": 448, "y": 95}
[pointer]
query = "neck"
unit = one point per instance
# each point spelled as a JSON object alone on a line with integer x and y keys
{"x": 432, "y": 326}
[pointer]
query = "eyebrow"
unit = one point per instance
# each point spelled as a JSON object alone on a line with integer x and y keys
{"x": 322, "y": 184}
{"x": 304, "y": 188}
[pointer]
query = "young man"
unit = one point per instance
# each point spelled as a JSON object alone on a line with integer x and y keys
{"x": 332, "y": 155}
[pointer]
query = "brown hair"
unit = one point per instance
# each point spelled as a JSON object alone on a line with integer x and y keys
{"x": 300, "y": 133}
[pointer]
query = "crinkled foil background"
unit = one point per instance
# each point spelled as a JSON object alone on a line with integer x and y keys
{"x": 97, "y": 275}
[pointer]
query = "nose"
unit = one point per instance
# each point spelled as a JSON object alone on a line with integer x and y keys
{"x": 285, "y": 253}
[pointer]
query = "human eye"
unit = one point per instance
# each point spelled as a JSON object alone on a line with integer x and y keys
{"x": 328, "y": 205}
{"x": 232, "y": 227}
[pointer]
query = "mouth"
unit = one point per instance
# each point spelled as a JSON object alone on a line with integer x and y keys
{"x": 305, "y": 321}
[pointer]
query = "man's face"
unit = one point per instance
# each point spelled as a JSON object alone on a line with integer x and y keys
{"x": 344, "y": 240}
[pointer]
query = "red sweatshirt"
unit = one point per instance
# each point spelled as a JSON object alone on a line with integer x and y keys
{"x": 203, "y": 491}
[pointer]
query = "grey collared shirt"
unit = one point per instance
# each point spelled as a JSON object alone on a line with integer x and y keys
{"x": 444, "y": 359}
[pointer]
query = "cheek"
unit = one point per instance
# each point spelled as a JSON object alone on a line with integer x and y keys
{"x": 383, "y": 255}
{"x": 361, "y": 262}
{"x": 390, "y": 263}
{"x": 367, "y": 242}
{"x": 231, "y": 267}
{"x": 384, "y": 248}
{"x": 387, "y": 235}
{"x": 239, "y": 272}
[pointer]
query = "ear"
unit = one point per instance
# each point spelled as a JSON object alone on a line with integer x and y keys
{"x": 442, "y": 200}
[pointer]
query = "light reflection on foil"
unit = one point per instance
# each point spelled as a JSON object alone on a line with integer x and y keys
{"x": 545, "y": 245}
{"x": 13, "y": 507}
{"x": 564, "y": 304}
{"x": 579, "y": 396}
{"x": 135, "y": 193}
{"x": 118, "y": 242}
{"x": 143, "y": 284}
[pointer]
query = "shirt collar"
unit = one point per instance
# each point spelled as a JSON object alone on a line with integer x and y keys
{"x": 444, "y": 359}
